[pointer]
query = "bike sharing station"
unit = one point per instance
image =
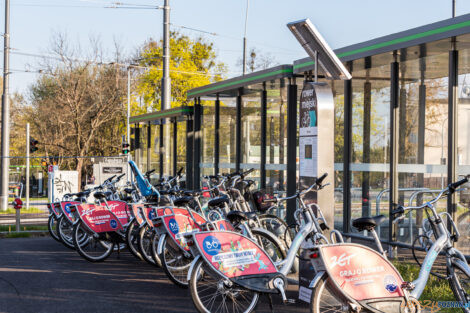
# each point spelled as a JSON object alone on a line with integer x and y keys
{"x": 316, "y": 133}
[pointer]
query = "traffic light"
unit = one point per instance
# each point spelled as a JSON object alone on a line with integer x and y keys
{"x": 32, "y": 145}
{"x": 125, "y": 148}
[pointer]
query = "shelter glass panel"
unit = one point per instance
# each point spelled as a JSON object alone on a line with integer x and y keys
{"x": 227, "y": 134}
{"x": 251, "y": 130}
{"x": 208, "y": 138}
{"x": 462, "y": 216}
{"x": 370, "y": 140}
{"x": 422, "y": 150}
{"x": 276, "y": 136}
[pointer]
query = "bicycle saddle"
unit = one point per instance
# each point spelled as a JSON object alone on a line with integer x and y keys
{"x": 102, "y": 195}
{"x": 368, "y": 223}
{"x": 218, "y": 202}
{"x": 182, "y": 201}
{"x": 192, "y": 193}
{"x": 236, "y": 217}
{"x": 129, "y": 190}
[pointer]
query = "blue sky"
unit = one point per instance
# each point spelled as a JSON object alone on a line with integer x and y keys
{"x": 342, "y": 22}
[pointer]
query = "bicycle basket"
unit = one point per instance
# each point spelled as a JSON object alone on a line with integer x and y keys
{"x": 259, "y": 197}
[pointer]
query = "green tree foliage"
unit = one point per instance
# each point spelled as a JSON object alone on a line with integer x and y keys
{"x": 193, "y": 64}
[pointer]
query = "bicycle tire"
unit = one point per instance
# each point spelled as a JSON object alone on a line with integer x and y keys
{"x": 325, "y": 299}
{"x": 270, "y": 244}
{"x": 144, "y": 244}
{"x": 108, "y": 247}
{"x": 460, "y": 282}
{"x": 65, "y": 231}
{"x": 154, "y": 246}
{"x": 132, "y": 233}
{"x": 199, "y": 294}
{"x": 52, "y": 227}
{"x": 281, "y": 231}
{"x": 174, "y": 263}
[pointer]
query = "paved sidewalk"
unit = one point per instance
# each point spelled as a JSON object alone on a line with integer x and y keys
{"x": 40, "y": 275}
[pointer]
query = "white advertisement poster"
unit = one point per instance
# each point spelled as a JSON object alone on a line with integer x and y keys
{"x": 65, "y": 182}
{"x": 308, "y": 156}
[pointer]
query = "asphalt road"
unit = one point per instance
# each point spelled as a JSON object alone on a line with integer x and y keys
{"x": 40, "y": 275}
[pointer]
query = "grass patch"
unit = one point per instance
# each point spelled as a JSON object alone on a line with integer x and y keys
{"x": 18, "y": 235}
{"x": 8, "y": 228}
{"x": 435, "y": 290}
{"x": 31, "y": 210}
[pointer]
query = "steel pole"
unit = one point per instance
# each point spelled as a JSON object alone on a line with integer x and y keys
{"x": 5, "y": 111}
{"x": 166, "y": 88}
{"x": 27, "y": 166}
{"x": 128, "y": 104}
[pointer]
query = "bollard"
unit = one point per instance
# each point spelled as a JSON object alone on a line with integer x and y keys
{"x": 17, "y": 204}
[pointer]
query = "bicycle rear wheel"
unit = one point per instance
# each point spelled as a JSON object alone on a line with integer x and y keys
{"x": 210, "y": 294}
{"x": 93, "y": 248}
{"x": 460, "y": 284}
{"x": 52, "y": 227}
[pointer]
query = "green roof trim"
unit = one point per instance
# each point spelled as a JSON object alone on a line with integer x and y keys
{"x": 240, "y": 80}
{"x": 434, "y": 31}
{"x": 406, "y": 38}
{"x": 186, "y": 110}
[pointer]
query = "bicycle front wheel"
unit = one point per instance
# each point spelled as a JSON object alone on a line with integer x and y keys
{"x": 93, "y": 248}
{"x": 132, "y": 237}
{"x": 64, "y": 230}
{"x": 210, "y": 294}
{"x": 52, "y": 227}
{"x": 145, "y": 244}
{"x": 460, "y": 284}
{"x": 325, "y": 299}
{"x": 175, "y": 263}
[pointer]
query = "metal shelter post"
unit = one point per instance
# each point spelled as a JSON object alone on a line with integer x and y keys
{"x": 347, "y": 153}
{"x": 394, "y": 134}
{"x": 238, "y": 131}
{"x": 264, "y": 97}
{"x": 452, "y": 128}
{"x": 197, "y": 144}
{"x": 291, "y": 148}
{"x": 217, "y": 135}
{"x": 189, "y": 152}
{"x": 175, "y": 146}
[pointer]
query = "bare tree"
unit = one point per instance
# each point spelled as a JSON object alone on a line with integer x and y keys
{"x": 77, "y": 104}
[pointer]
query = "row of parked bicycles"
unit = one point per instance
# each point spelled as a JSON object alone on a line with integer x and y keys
{"x": 226, "y": 246}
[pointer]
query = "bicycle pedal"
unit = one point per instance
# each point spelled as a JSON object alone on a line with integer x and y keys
{"x": 290, "y": 301}
{"x": 407, "y": 285}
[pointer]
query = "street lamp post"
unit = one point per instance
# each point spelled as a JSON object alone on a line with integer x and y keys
{"x": 5, "y": 111}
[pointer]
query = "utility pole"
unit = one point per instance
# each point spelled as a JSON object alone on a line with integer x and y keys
{"x": 166, "y": 87}
{"x": 5, "y": 111}
{"x": 244, "y": 37}
{"x": 453, "y": 8}
{"x": 27, "y": 165}
{"x": 128, "y": 104}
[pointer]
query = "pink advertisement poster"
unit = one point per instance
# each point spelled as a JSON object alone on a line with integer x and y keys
{"x": 361, "y": 272}
{"x": 66, "y": 207}
{"x": 137, "y": 212}
{"x": 233, "y": 255}
{"x": 101, "y": 220}
{"x": 178, "y": 226}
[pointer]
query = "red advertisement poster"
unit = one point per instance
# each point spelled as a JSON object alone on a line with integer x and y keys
{"x": 178, "y": 226}
{"x": 360, "y": 272}
{"x": 233, "y": 255}
{"x": 101, "y": 220}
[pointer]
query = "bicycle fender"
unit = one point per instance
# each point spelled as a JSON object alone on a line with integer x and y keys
{"x": 316, "y": 279}
{"x": 463, "y": 265}
{"x": 160, "y": 244}
{"x": 191, "y": 268}
{"x": 278, "y": 241}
